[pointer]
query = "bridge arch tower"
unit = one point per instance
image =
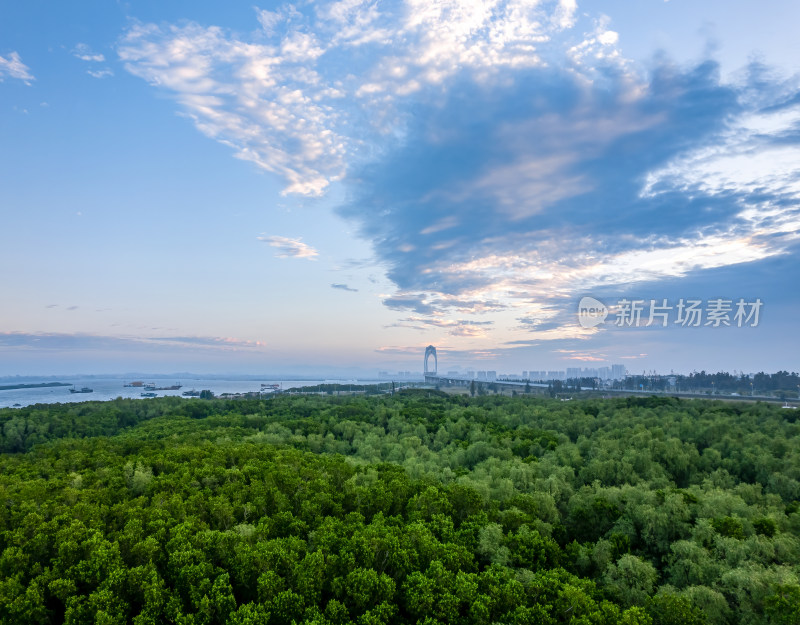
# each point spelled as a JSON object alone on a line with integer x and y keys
{"x": 430, "y": 350}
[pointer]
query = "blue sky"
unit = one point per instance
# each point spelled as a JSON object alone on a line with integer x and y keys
{"x": 331, "y": 186}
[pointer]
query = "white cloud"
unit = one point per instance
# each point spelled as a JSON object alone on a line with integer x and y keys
{"x": 261, "y": 100}
{"x": 749, "y": 156}
{"x": 290, "y": 248}
{"x": 565, "y": 13}
{"x": 15, "y": 68}
{"x": 751, "y": 160}
{"x": 437, "y": 39}
{"x": 101, "y": 73}
{"x": 269, "y": 20}
{"x": 598, "y": 47}
{"x": 84, "y": 53}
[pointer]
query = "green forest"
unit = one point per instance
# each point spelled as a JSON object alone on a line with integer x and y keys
{"x": 419, "y": 507}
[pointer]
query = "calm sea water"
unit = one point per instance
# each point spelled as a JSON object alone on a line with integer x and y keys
{"x": 107, "y": 389}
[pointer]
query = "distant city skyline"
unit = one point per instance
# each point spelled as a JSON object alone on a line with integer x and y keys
{"x": 328, "y": 188}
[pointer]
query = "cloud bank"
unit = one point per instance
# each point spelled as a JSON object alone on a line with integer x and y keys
{"x": 502, "y": 156}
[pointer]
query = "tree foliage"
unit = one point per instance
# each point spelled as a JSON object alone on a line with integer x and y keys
{"x": 413, "y": 508}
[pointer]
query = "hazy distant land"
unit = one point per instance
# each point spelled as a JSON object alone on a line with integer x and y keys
{"x": 14, "y": 387}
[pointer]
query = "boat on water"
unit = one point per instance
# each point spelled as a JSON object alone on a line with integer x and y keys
{"x": 174, "y": 387}
{"x": 136, "y": 384}
{"x": 192, "y": 393}
{"x": 272, "y": 386}
{"x": 149, "y": 394}
{"x": 85, "y": 389}
{"x": 150, "y": 386}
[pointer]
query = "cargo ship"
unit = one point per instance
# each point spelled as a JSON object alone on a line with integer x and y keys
{"x": 85, "y": 389}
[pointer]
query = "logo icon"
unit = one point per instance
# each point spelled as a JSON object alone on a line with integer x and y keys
{"x": 591, "y": 312}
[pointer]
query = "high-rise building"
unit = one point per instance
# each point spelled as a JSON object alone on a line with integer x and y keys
{"x": 618, "y": 372}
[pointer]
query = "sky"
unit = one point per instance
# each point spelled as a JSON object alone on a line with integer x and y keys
{"x": 330, "y": 187}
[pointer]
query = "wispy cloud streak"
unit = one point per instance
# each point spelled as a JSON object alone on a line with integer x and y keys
{"x": 78, "y": 341}
{"x": 290, "y": 248}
